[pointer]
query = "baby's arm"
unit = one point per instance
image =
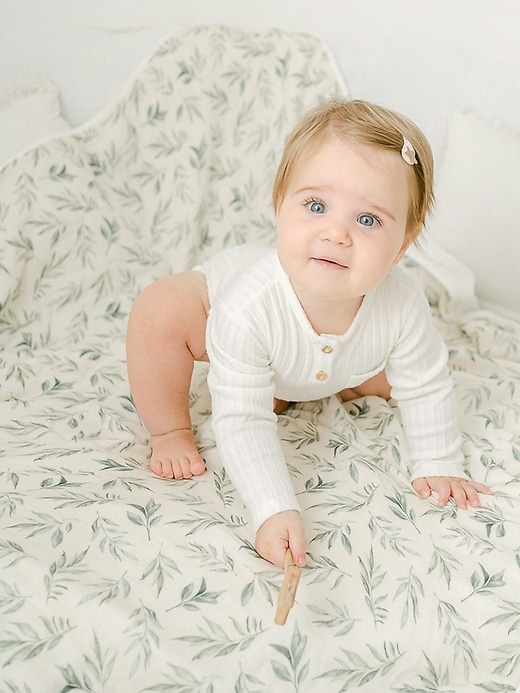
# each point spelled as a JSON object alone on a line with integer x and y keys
{"x": 165, "y": 335}
{"x": 417, "y": 370}
{"x": 241, "y": 383}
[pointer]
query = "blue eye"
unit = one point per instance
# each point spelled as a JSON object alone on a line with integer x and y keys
{"x": 316, "y": 207}
{"x": 367, "y": 220}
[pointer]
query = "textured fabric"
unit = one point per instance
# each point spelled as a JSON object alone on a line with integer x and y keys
{"x": 115, "y": 580}
{"x": 261, "y": 345}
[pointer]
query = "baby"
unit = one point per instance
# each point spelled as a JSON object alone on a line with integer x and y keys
{"x": 327, "y": 312}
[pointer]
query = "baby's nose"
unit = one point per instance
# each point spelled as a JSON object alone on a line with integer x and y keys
{"x": 338, "y": 231}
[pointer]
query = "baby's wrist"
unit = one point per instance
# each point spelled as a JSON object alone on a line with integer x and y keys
{"x": 282, "y": 515}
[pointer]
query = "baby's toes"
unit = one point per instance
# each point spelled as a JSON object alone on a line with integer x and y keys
{"x": 197, "y": 467}
{"x": 170, "y": 470}
{"x": 156, "y": 466}
{"x": 182, "y": 468}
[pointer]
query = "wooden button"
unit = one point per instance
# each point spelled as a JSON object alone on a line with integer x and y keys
{"x": 327, "y": 349}
{"x": 321, "y": 376}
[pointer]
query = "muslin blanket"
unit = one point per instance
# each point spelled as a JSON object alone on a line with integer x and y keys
{"x": 115, "y": 580}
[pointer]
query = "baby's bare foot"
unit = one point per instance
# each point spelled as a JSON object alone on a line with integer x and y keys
{"x": 175, "y": 455}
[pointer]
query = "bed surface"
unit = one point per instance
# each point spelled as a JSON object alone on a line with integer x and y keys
{"x": 113, "y": 579}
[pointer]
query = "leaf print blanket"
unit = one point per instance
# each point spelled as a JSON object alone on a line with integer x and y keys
{"x": 115, "y": 580}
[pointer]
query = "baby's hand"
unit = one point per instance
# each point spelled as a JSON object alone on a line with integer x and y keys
{"x": 461, "y": 490}
{"x": 279, "y": 532}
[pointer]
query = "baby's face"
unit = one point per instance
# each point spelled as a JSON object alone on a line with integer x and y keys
{"x": 342, "y": 222}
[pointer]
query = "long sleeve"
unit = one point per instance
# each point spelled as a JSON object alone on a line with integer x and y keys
{"x": 242, "y": 390}
{"x": 418, "y": 374}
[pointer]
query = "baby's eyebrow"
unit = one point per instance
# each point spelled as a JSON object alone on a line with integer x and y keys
{"x": 383, "y": 211}
{"x": 312, "y": 188}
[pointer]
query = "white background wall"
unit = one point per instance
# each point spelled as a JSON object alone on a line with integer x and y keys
{"x": 421, "y": 57}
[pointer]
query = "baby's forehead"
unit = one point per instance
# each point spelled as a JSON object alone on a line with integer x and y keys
{"x": 334, "y": 150}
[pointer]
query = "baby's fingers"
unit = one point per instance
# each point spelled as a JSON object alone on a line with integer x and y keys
{"x": 481, "y": 488}
{"x": 425, "y": 485}
{"x": 297, "y": 544}
{"x": 472, "y": 496}
{"x": 461, "y": 492}
{"x": 422, "y": 487}
{"x": 445, "y": 490}
{"x": 472, "y": 489}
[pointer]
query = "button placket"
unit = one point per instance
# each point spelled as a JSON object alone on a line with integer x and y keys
{"x": 324, "y": 361}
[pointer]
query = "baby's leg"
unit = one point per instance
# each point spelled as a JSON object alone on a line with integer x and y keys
{"x": 378, "y": 386}
{"x": 166, "y": 334}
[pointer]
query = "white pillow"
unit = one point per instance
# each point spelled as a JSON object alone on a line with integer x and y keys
{"x": 29, "y": 112}
{"x": 477, "y": 215}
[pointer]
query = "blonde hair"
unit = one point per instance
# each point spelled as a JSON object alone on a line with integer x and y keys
{"x": 367, "y": 123}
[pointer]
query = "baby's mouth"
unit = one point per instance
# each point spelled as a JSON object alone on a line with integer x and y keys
{"x": 328, "y": 262}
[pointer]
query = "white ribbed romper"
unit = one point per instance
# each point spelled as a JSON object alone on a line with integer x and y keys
{"x": 261, "y": 345}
